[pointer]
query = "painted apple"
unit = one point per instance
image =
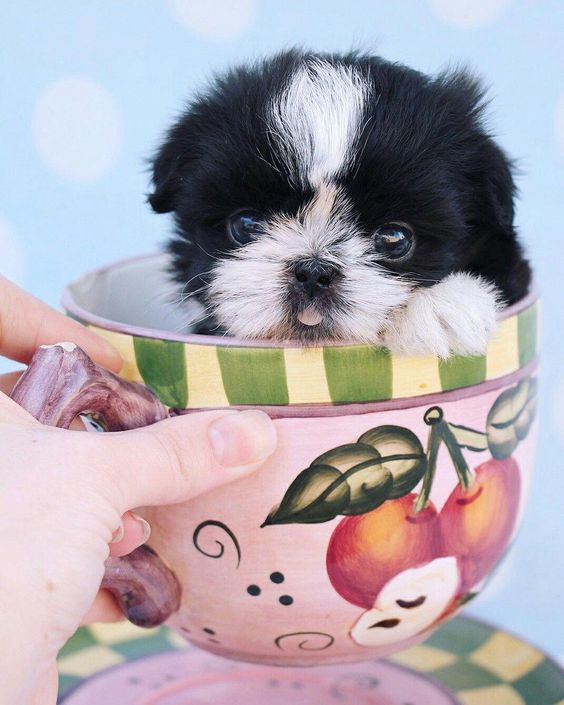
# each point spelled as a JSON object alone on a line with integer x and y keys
{"x": 366, "y": 551}
{"x": 477, "y": 524}
{"x": 409, "y": 603}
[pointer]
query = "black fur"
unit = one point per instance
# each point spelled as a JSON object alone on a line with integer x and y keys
{"x": 426, "y": 159}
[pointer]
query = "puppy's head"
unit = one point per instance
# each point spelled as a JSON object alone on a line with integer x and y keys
{"x": 313, "y": 193}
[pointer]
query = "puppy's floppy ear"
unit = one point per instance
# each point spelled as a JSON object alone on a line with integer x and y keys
{"x": 495, "y": 188}
{"x": 490, "y": 171}
{"x": 493, "y": 249}
{"x": 499, "y": 255}
{"x": 169, "y": 169}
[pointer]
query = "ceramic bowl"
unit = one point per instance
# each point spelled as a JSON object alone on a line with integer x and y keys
{"x": 396, "y": 489}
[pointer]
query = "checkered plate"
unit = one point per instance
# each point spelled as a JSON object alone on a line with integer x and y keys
{"x": 465, "y": 662}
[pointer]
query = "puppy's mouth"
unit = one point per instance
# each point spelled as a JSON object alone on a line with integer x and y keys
{"x": 311, "y": 322}
{"x": 310, "y": 316}
{"x": 245, "y": 302}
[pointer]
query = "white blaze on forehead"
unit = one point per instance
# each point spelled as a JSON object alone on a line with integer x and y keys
{"x": 317, "y": 118}
{"x": 324, "y": 221}
{"x": 320, "y": 229}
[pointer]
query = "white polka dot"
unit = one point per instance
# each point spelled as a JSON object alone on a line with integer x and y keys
{"x": 215, "y": 19}
{"x": 469, "y": 14}
{"x": 11, "y": 254}
{"x": 77, "y": 129}
{"x": 560, "y": 124}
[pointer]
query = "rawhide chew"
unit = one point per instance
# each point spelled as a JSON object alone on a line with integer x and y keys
{"x": 62, "y": 383}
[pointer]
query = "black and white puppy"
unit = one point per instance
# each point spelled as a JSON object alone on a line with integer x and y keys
{"x": 323, "y": 197}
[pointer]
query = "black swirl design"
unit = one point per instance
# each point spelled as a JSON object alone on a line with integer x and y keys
{"x": 220, "y": 550}
{"x": 304, "y": 643}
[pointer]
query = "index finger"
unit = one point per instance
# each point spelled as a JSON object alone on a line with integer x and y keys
{"x": 26, "y": 323}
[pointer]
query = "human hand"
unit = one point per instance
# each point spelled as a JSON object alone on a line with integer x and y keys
{"x": 64, "y": 495}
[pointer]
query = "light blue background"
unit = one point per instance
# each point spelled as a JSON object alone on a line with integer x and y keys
{"x": 53, "y": 227}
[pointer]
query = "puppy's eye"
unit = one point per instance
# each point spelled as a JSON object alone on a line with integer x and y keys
{"x": 244, "y": 225}
{"x": 394, "y": 241}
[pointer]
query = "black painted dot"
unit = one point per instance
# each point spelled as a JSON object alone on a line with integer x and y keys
{"x": 185, "y": 629}
{"x": 208, "y": 630}
{"x": 253, "y": 590}
{"x": 286, "y": 600}
{"x": 277, "y": 577}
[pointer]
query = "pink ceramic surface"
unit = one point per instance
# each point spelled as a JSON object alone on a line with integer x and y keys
{"x": 371, "y": 523}
{"x": 350, "y": 543}
{"x": 351, "y": 588}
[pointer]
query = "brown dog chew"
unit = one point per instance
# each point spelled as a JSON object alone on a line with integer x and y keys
{"x": 62, "y": 383}
{"x": 146, "y": 589}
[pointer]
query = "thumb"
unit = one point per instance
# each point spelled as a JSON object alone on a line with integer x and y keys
{"x": 182, "y": 457}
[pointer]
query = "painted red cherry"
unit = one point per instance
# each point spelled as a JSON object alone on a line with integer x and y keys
{"x": 368, "y": 550}
{"x": 477, "y": 524}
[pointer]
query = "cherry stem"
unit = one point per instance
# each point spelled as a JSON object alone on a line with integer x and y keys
{"x": 433, "y": 445}
{"x": 441, "y": 433}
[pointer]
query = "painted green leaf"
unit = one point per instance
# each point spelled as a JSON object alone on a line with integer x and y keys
{"x": 510, "y": 417}
{"x": 366, "y": 482}
{"x": 402, "y": 453}
{"x": 163, "y": 368}
{"x": 313, "y": 497}
{"x": 349, "y": 479}
{"x": 347, "y": 456}
{"x": 524, "y": 421}
{"x": 370, "y": 486}
{"x": 469, "y": 438}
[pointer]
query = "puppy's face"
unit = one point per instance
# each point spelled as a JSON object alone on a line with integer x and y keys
{"x": 313, "y": 194}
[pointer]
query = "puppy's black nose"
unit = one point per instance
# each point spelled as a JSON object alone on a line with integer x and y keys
{"x": 314, "y": 276}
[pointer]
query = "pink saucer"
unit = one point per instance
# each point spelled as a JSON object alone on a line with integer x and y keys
{"x": 464, "y": 662}
{"x": 195, "y": 677}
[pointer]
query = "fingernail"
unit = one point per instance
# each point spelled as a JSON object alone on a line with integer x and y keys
{"x": 118, "y": 534}
{"x": 242, "y": 438}
{"x": 145, "y": 526}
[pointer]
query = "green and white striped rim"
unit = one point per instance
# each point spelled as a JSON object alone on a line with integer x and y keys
{"x": 215, "y": 373}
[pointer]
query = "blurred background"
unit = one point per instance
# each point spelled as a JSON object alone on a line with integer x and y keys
{"x": 87, "y": 88}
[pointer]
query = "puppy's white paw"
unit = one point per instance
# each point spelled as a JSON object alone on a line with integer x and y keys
{"x": 456, "y": 316}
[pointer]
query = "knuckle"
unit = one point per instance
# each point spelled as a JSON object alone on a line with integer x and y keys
{"x": 172, "y": 450}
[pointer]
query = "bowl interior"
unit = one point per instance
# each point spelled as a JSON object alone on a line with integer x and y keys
{"x": 135, "y": 292}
